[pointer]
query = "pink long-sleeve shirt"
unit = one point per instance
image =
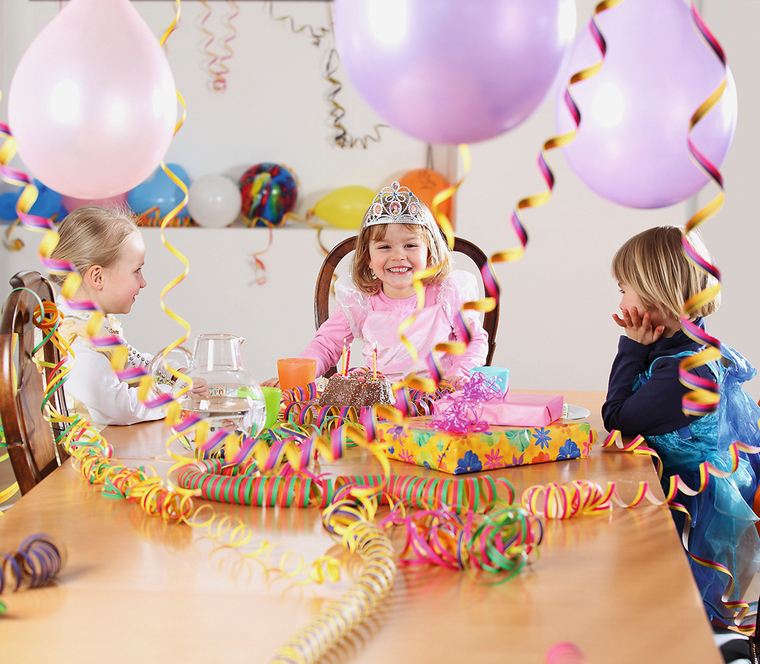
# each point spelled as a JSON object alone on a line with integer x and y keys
{"x": 374, "y": 319}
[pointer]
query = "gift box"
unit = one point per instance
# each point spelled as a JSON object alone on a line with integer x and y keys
{"x": 419, "y": 443}
{"x": 497, "y": 375}
{"x": 517, "y": 410}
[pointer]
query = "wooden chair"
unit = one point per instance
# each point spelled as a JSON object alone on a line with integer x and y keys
{"x": 30, "y": 438}
{"x": 324, "y": 280}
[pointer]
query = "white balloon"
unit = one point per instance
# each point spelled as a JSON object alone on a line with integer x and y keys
{"x": 214, "y": 201}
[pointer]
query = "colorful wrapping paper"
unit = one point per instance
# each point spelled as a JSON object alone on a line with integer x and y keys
{"x": 516, "y": 410}
{"x": 499, "y": 447}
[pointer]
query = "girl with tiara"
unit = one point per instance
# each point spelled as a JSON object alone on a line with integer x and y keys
{"x": 399, "y": 237}
{"x": 644, "y": 397}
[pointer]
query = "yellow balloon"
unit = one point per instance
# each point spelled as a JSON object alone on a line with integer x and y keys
{"x": 345, "y": 207}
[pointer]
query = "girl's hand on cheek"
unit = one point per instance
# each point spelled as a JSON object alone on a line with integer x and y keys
{"x": 639, "y": 327}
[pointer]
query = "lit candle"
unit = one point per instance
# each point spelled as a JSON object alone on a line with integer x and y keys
{"x": 348, "y": 359}
{"x": 374, "y": 361}
{"x": 343, "y": 359}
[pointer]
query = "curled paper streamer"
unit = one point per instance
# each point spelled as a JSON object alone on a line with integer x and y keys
{"x": 498, "y": 542}
{"x": 740, "y": 608}
{"x": 153, "y": 217}
{"x": 703, "y": 396}
{"x": 342, "y": 137}
{"x": 36, "y": 562}
{"x": 216, "y": 64}
{"x": 317, "y": 34}
{"x": 536, "y": 200}
{"x": 462, "y": 415}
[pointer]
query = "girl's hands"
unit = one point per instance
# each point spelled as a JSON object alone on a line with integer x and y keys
{"x": 270, "y": 382}
{"x": 639, "y": 327}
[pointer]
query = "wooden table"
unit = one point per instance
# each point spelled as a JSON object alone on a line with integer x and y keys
{"x": 138, "y": 590}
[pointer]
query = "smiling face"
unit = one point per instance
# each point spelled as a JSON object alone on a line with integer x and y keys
{"x": 395, "y": 257}
{"x": 116, "y": 287}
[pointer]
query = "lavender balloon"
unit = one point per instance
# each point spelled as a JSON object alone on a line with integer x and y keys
{"x": 631, "y": 147}
{"x": 448, "y": 71}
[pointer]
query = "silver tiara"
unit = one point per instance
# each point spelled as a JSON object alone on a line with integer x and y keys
{"x": 397, "y": 204}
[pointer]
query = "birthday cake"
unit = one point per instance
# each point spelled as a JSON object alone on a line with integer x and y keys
{"x": 360, "y": 388}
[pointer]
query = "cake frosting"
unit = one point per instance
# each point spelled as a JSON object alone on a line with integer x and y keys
{"x": 360, "y": 388}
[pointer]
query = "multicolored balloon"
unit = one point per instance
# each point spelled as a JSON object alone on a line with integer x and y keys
{"x": 269, "y": 191}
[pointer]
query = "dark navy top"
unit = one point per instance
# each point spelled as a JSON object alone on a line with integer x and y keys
{"x": 655, "y": 408}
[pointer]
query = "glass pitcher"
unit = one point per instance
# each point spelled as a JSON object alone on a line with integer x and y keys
{"x": 224, "y": 393}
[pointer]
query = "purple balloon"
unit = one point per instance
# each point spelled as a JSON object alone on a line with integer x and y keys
{"x": 447, "y": 71}
{"x": 631, "y": 146}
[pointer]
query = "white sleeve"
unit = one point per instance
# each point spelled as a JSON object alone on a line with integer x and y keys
{"x": 108, "y": 400}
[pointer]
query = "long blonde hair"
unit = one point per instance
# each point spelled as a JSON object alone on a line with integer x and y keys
{"x": 438, "y": 254}
{"x": 92, "y": 236}
{"x": 654, "y": 265}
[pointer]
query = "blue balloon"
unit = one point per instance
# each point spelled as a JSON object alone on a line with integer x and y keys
{"x": 159, "y": 191}
{"x": 47, "y": 204}
{"x": 8, "y": 206}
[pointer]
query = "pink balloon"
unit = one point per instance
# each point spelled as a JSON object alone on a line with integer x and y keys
{"x": 71, "y": 203}
{"x": 451, "y": 71}
{"x": 631, "y": 146}
{"x": 92, "y": 103}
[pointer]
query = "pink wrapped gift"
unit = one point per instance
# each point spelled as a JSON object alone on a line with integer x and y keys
{"x": 514, "y": 409}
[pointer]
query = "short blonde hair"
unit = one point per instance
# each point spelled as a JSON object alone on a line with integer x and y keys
{"x": 92, "y": 236}
{"x": 654, "y": 265}
{"x": 438, "y": 254}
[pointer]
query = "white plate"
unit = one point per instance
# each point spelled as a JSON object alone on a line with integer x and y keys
{"x": 576, "y": 412}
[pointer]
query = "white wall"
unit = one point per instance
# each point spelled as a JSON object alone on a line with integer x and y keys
{"x": 556, "y": 329}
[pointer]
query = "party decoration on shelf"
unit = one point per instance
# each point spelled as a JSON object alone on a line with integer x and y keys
{"x": 71, "y": 203}
{"x": 214, "y": 201}
{"x": 343, "y": 207}
{"x": 453, "y": 77}
{"x": 269, "y": 192}
{"x": 158, "y": 195}
{"x": 426, "y": 184}
{"x": 48, "y": 204}
{"x": 152, "y": 217}
{"x": 629, "y": 150}
{"x": 93, "y": 119}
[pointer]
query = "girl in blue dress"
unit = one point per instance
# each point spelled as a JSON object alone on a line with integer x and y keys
{"x": 644, "y": 397}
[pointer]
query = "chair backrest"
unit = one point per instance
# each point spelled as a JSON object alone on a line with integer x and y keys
{"x": 29, "y": 436}
{"x": 324, "y": 280}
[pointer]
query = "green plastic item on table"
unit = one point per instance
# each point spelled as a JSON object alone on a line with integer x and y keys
{"x": 272, "y": 397}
